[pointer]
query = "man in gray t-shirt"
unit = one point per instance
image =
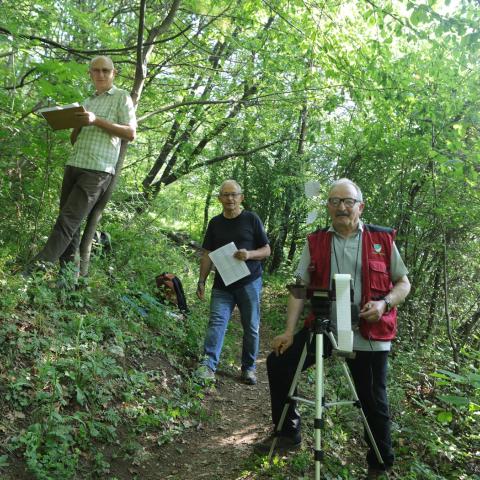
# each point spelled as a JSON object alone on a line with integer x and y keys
{"x": 346, "y": 258}
{"x": 380, "y": 283}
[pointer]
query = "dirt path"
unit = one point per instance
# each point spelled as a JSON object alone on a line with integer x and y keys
{"x": 238, "y": 415}
{"x": 217, "y": 449}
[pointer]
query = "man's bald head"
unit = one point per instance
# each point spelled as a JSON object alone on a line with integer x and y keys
{"x": 102, "y": 59}
{"x": 102, "y": 72}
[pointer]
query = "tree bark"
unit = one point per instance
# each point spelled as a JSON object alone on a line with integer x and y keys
{"x": 288, "y": 220}
{"x": 451, "y": 339}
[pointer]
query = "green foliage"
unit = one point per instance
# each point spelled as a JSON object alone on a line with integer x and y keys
{"x": 84, "y": 363}
{"x": 385, "y": 93}
{"x": 49, "y": 449}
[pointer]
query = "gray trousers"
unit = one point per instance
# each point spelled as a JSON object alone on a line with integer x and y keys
{"x": 81, "y": 189}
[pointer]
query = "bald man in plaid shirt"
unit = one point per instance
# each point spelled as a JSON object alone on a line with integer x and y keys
{"x": 109, "y": 119}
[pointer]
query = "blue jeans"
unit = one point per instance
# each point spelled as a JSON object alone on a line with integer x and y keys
{"x": 222, "y": 303}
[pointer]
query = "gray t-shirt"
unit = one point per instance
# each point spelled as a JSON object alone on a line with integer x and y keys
{"x": 346, "y": 257}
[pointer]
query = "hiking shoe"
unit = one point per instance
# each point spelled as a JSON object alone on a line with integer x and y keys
{"x": 248, "y": 377}
{"x": 204, "y": 375}
{"x": 283, "y": 445}
{"x": 376, "y": 474}
{"x": 34, "y": 268}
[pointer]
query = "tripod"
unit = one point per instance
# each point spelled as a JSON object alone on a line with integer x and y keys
{"x": 321, "y": 328}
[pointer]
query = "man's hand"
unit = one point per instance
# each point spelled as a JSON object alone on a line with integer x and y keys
{"x": 201, "y": 290}
{"x": 281, "y": 342}
{"x": 242, "y": 254}
{"x": 372, "y": 311}
{"x": 86, "y": 118}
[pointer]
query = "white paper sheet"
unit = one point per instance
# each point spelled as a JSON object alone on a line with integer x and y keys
{"x": 229, "y": 268}
{"x": 344, "y": 319}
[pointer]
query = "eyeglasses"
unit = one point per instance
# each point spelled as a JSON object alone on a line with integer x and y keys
{"x": 348, "y": 202}
{"x": 97, "y": 71}
{"x": 226, "y": 195}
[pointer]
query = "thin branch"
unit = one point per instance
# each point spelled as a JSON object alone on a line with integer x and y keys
{"x": 38, "y": 106}
{"x": 258, "y": 99}
{"x": 220, "y": 158}
{"x": 284, "y": 18}
{"x": 22, "y": 80}
{"x": 183, "y": 104}
{"x": 88, "y": 53}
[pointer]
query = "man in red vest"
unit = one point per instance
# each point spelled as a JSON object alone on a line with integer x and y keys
{"x": 379, "y": 277}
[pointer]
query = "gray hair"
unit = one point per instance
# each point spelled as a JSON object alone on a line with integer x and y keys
{"x": 101, "y": 57}
{"x": 347, "y": 181}
{"x": 234, "y": 182}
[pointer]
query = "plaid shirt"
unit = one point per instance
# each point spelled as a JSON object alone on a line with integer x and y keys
{"x": 95, "y": 149}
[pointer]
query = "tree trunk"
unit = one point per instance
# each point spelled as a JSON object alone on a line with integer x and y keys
{"x": 208, "y": 200}
{"x": 293, "y": 243}
{"x": 169, "y": 175}
{"x": 454, "y": 346}
{"x": 433, "y": 303}
{"x": 277, "y": 252}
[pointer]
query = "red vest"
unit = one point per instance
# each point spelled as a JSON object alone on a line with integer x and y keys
{"x": 377, "y": 245}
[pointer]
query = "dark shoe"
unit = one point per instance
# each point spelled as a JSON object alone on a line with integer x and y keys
{"x": 34, "y": 267}
{"x": 249, "y": 377}
{"x": 283, "y": 445}
{"x": 376, "y": 474}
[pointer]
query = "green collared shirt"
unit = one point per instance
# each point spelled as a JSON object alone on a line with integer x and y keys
{"x": 346, "y": 257}
{"x": 95, "y": 149}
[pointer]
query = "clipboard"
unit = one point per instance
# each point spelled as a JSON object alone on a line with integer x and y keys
{"x": 61, "y": 118}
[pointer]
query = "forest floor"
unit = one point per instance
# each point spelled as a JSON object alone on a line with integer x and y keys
{"x": 221, "y": 445}
{"x": 218, "y": 442}
{"x": 217, "y": 445}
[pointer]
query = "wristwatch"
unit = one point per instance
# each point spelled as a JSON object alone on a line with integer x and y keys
{"x": 388, "y": 302}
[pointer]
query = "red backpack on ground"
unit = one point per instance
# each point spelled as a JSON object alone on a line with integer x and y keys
{"x": 170, "y": 290}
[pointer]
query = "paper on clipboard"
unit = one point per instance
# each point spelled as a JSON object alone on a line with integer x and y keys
{"x": 61, "y": 118}
{"x": 229, "y": 268}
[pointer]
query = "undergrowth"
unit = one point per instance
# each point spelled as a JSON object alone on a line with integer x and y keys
{"x": 92, "y": 368}
{"x": 98, "y": 374}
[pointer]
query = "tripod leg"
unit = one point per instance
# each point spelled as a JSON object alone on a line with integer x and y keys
{"x": 319, "y": 403}
{"x": 293, "y": 386}
{"x": 357, "y": 400}
{"x": 362, "y": 413}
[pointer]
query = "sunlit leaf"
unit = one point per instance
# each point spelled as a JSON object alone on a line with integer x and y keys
{"x": 445, "y": 417}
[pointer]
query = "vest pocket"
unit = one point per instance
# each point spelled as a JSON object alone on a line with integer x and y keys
{"x": 383, "y": 330}
{"x": 379, "y": 277}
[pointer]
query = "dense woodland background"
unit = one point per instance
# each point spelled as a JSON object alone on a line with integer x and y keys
{"x": 273, "y": 93}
